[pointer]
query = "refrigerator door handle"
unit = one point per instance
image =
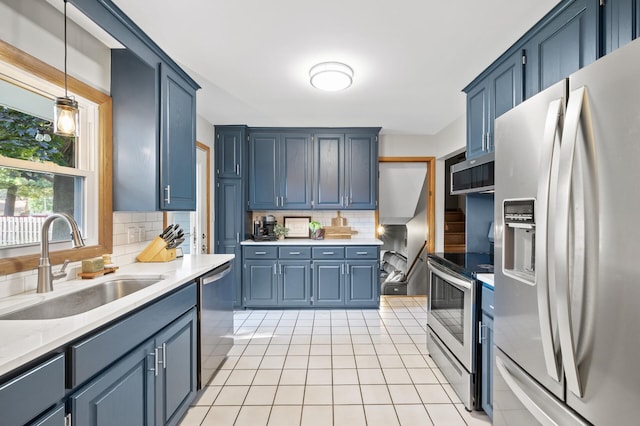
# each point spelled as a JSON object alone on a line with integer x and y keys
{"x": 563, "y": 248}
{"x": 543, "y": 253}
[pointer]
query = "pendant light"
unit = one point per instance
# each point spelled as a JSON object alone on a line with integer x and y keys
{"x": 65, "y": 118}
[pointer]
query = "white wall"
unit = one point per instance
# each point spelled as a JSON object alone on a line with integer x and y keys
{"x": 448, "y": 142}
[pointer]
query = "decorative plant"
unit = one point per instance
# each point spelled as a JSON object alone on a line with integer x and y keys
{"x": 314, "y": 226}
{"x": 280, "y": 231}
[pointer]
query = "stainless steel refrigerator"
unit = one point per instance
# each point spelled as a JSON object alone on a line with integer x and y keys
{"x": 567, "y": 245}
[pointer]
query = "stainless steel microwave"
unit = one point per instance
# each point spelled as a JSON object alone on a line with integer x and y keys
{"x": 474, "y": 175}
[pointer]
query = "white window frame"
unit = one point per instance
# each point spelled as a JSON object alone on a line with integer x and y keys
{"x": 86, "y": 157}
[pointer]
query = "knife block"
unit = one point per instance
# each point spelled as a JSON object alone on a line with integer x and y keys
{"x": 157, "y": 251}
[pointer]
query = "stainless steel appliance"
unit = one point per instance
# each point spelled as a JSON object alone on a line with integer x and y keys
{"x": 452, "y": 319}
{"x": 566, "y": 293}
{"x": 215, "y": 321}
{"x": 263, "y": 228}
{"x": 475, "y": 175}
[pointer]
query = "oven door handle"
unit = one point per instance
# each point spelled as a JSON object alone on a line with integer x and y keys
{"x": 457, "y": 282}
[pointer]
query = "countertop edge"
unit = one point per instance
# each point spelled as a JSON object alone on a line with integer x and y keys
{"x": 487, "y": 279}
{"x": 28, "y": 340}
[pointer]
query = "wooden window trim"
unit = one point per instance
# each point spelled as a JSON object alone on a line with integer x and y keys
{"x": 36, "y": 67}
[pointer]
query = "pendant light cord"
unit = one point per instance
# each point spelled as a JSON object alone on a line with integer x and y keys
{"x": 65, "y": 49}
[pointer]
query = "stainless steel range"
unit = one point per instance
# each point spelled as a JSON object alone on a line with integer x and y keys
{"x": 453, "y": 320}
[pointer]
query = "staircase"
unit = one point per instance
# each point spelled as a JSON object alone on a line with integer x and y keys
{"x": 454, "y": 235}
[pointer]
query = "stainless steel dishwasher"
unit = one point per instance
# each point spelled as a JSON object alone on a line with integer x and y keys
{"x": 215, "y": 320}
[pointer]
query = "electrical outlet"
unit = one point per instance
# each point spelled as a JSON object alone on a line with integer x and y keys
{"x": 132, "y": 235}
{"x": 142, "y": 233}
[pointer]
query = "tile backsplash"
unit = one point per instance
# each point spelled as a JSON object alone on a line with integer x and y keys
{"x": 132, "y": 231}
{"x": 362, "y": 222}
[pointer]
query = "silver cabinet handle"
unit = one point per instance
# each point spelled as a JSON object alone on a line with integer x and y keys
{"x": 274, "y": 269}
{"x": 237, "y": 237}
{"x": 238, "y": 169}
{"x": 484, "y": 137}
{"x": 282, "y": 201}
{"x": 155, "y": 361}
{"x": 327, "y": 253}
{"x": 342, "y": 269}
{"x": 361, "y": 253}
{"x": 167, "y": 189}
{"x": 550, "y": 144}
{"x": 260, "y": 253}
{"x": 294, "y": 253}
{"x": 491, "y": 307}
{"x": 277, "y": 201}
{"x": 280, "y": 267}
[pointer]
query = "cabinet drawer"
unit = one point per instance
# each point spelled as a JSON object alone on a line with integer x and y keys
{"x": 294, "y": 252}
{"x": 362, "y": 252}
{"x": 261, "y": 252}
{"x": 28, "y": 395}
{"x": 328, "y": 252}
{"x": 92, "y": 355}
{"x": 487, "y": 301}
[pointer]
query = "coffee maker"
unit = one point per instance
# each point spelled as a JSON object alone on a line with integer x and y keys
{"x": 263, "y": 228}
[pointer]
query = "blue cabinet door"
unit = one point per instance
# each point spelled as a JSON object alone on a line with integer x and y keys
{"x": 477, "y": 120}
{"x": 620, "y": 23}
{"x": 361, "y": 171}
{"x": 176, "y": 347}
{"x": 263, "y": 183}
{"x": 328, "y": 171}
{"x": 505, "y": 91}
{"x": 328, "y": 283}
{"x": 487, "y": 364}
{"x": 566, "y": 43}
{"x": 259, "y": 283}
{"x": 177, "y": 142}
{"x": 230, "y": 216}
{"x": 54, "y": 417}
{"x": 294, "y": 283}
{"x": 229, "y": 153}
{"x": 294, "y": 171}
{"x": 123, "y": 395}
{"x": 362, "y": 287}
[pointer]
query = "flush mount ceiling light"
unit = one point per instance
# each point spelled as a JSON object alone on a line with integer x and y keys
{"x": 331, "y": 76}
{"x": 65, "y": 117}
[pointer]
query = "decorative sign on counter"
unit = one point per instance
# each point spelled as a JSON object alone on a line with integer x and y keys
{"x": 298, "y": 226}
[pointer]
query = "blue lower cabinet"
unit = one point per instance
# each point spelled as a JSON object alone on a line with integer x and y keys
{"x": 153, "y": 385}
{"x": 259, "y": 281}
{"x": 328, "y": 283}
{"x": 123, "y": 395}
{"x": 176, "y": 379}
{"x": 359, "y": 291}
{"x": 486, "y": 338}
{"x": 294, "y": 283}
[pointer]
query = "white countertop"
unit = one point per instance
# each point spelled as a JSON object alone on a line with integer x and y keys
{"x": 486, "y": 278}
{"x": 310, "y": 242}
{"x": 25, "y": 340}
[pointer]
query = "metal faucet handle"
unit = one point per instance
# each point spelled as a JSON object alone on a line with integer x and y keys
{"x": 62, "y": 272}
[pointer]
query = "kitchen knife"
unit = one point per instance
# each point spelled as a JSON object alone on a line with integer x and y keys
{"x": 166, "y": 230}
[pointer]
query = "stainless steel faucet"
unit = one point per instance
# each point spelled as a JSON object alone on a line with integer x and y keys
{"x": 45, "y": 274}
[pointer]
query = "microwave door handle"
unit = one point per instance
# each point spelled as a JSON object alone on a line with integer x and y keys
{"x": 568, "y": 193}
{"x": 457, "y": 282}
{"x": 543, "y": 254}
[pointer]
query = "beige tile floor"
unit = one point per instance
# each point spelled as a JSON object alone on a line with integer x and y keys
{"x": 331, "y": 367}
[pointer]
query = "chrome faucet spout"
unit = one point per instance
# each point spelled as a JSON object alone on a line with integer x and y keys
{"x": 45, "y": 275}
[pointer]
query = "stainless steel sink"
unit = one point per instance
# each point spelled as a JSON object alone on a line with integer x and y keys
{"x": 83, "y": 300}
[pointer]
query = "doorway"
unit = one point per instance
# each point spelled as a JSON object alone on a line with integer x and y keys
{"x": 413, "y": 228}
{"x": 196, "y": 224}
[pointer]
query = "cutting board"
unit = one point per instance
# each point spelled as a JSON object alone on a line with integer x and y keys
{"x": 339, "y": 220}
{"x": 337, "y": 232}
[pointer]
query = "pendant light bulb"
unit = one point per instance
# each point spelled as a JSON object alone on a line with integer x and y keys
{"x": 65, "y": 118}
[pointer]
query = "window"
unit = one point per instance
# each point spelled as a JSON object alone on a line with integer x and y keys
{"x": 42, "y": 173}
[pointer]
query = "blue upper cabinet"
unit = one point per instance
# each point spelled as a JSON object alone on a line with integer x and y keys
{"x": 230, "y": 149}
{"x": 361, "y": 171}
{"x": 177, "y": 142}
{"x": 494, "y": 95}
{"x": 620, "y": 23}
{"x": 328, "y": 171}
{"x": 566, "y": 42}
{"x": 280, "y": 170}
{"x": 345, "y": 170}
{"x": 263, "y": 154}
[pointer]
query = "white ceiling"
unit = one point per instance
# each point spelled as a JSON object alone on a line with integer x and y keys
{"x": 411, "y": 58}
